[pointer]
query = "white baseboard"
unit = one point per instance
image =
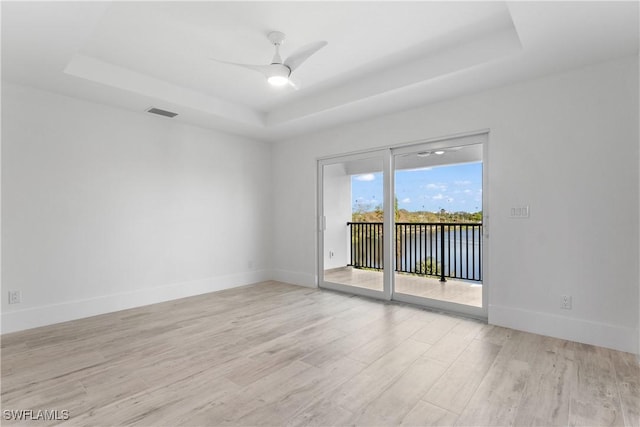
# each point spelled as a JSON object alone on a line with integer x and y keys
{"x": 579, "y": 330}
{"x": 296, "y": 278}
{"x": 19, "y": 320}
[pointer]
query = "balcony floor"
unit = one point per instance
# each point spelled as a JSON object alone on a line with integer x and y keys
{"x": 458, "y": 291}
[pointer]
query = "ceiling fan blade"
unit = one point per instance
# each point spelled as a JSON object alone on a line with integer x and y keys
{"x": 294, "y": 83}
{"x": 262, "y": 69}
{"x": 299, "y": 56}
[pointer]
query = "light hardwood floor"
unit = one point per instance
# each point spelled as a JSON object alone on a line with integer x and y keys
{"x": 277, "y": 354}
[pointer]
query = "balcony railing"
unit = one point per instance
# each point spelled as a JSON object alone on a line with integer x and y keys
{"x": 444, "y": 250}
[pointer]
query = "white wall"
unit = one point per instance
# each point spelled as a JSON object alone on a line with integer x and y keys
{"x": 567, "y": 145}
{"x": 104, "y": 209}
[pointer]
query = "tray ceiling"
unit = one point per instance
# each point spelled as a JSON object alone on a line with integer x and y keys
{"x": 381, "y": 57}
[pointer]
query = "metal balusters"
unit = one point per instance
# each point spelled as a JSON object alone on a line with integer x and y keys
{"x": 421, "y": 248}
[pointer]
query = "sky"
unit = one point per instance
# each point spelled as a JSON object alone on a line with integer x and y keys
{"x": 455, "y": 188}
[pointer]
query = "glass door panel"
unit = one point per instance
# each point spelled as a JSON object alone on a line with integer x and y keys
{"x": 438, "y": 226}
{"x": 352, "y": 216}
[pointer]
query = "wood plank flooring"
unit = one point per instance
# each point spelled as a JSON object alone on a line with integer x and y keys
{"x": 277, "y": 354}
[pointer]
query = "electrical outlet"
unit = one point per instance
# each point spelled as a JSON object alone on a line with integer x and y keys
{"x": 566, "y": 302}
{"x": 15, "y": 297}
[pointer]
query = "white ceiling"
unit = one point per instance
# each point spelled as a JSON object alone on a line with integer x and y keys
{"x": 381, "y": 56}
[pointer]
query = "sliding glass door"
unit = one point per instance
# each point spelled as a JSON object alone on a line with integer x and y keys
{"x": 351, "y": 224}
{"x": 438, "y": 248}
{"x": 407, "y": 223}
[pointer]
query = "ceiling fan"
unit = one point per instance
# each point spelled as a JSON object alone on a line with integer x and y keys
{"x": 278, "y": 73}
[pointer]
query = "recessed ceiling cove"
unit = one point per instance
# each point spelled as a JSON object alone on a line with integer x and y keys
{"x": 380, "y": 57}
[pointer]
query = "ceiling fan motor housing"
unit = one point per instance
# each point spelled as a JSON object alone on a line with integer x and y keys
{"x": 276, "y": 37}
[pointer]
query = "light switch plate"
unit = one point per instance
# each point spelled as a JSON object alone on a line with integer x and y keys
{"x": 519, "y": 212}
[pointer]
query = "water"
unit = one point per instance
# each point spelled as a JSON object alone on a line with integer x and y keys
{"x": 417, "y": 244}
{"x": 462, "y": 253}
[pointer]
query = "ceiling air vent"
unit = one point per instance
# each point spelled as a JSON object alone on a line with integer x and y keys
{"x": 160, "y": 112}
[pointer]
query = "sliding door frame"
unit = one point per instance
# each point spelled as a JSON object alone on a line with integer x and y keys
{"x": 387, "y": 155}
{"x": 466, "y": 310}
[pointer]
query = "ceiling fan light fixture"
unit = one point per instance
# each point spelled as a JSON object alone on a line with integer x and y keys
{"x": 278, "y": 80}
{"x": 278, "y": 75}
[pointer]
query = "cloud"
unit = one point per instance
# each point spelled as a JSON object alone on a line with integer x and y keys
{"x": 405, "y": 200}
{"x": 438, "y": 186}
{"x": 427, "y": 168}
{"x": 463, "y": 182}
{"x": 365, "y": 177}
{"x": 467, "y": 191}
{"x": 365, "y": 200}
{"x": 438, "y": 197}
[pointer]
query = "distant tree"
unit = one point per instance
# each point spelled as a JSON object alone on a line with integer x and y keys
{"x": 395, "y": 208}
{"x": 360, "y": 211}
{"x": 379, "y": 213}
{"x": 367, "y": 213}
{"x": 476, "y": 216}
